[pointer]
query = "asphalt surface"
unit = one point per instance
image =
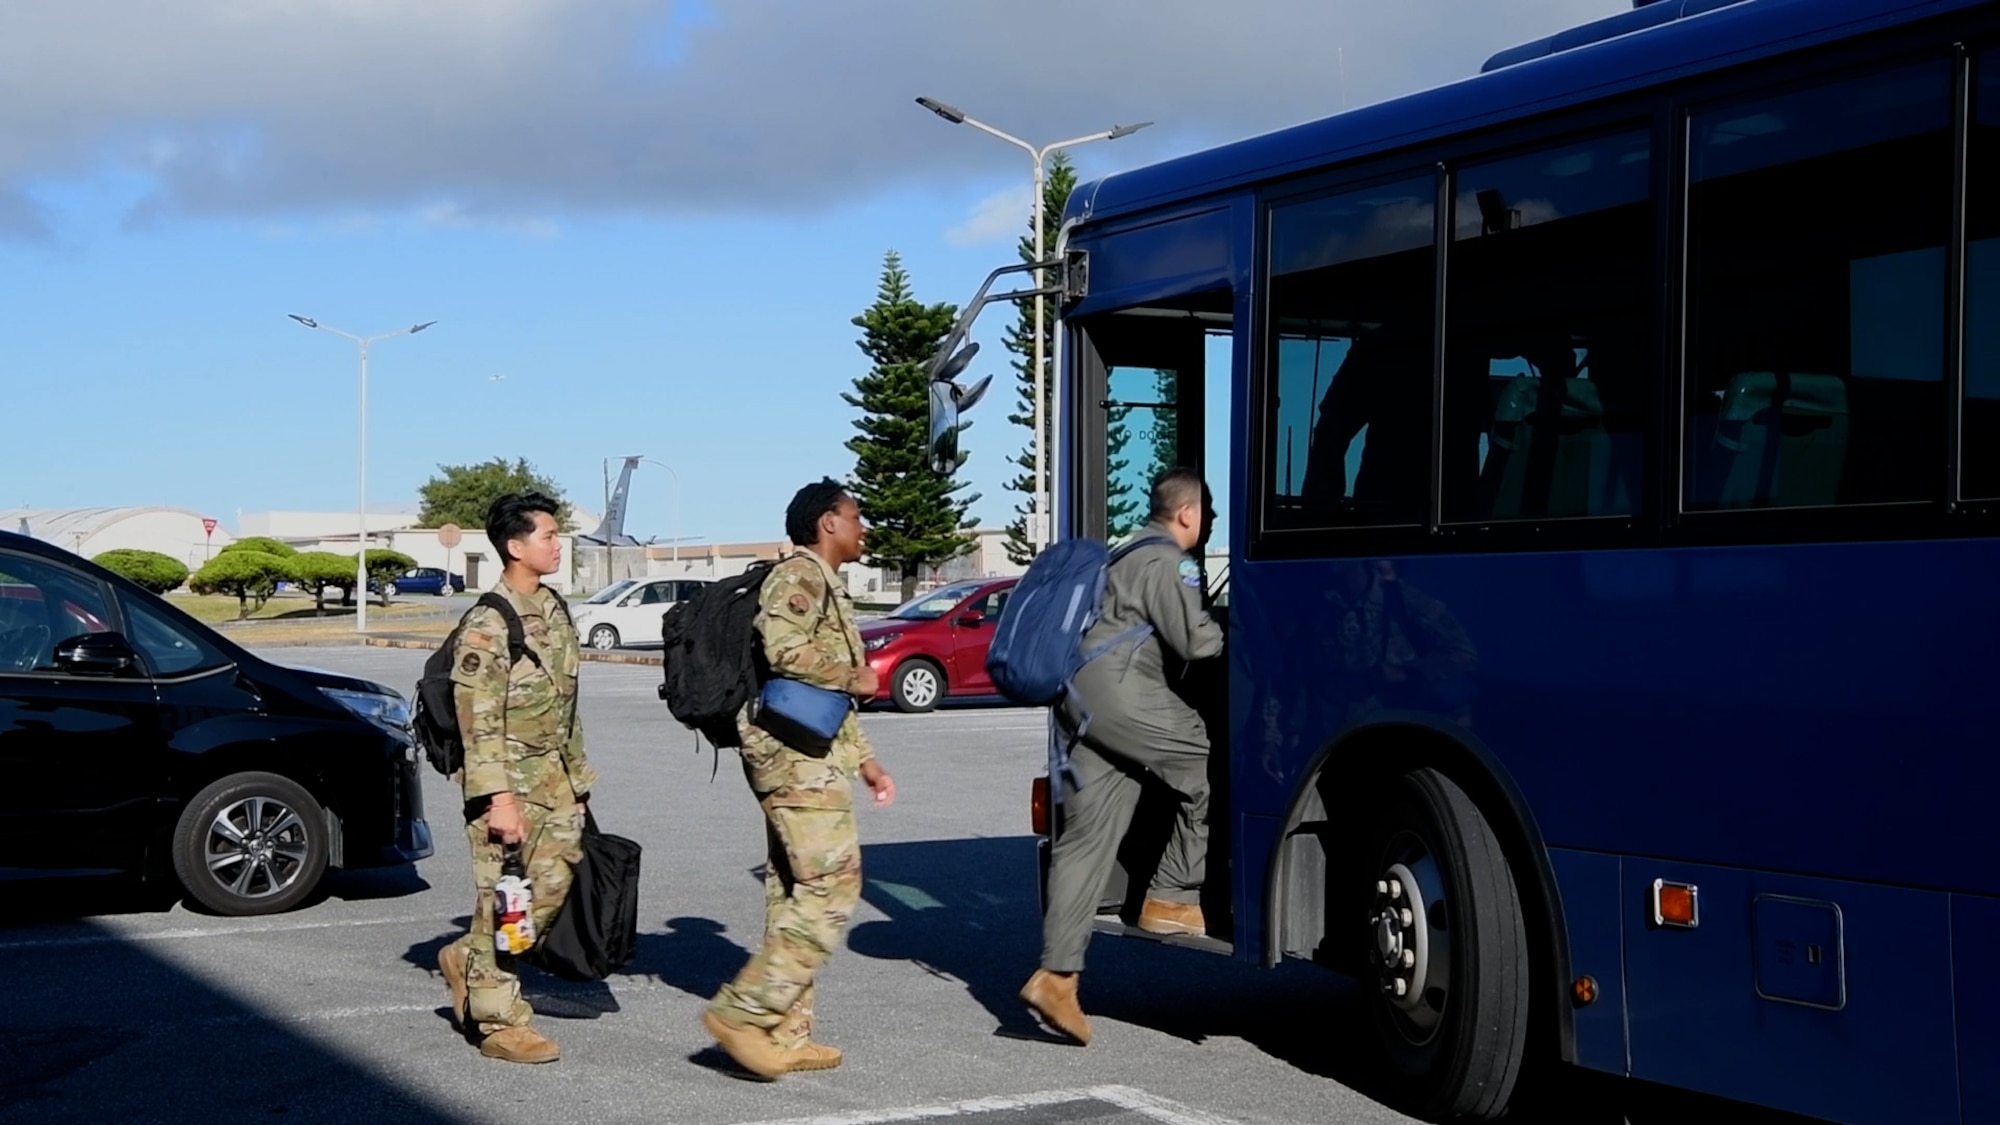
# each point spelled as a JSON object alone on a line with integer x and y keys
{"x": 120, "y": 1007}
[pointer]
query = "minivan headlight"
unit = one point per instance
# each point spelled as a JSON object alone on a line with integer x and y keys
{"x": 386, "y": 711}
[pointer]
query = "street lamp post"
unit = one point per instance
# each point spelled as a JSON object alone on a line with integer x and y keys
{"x": 1038, "y": 531}
{"x": 361, "y": 538}
{"x": 677, "y": 506}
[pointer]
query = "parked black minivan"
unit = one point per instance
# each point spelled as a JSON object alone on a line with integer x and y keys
{"x": 135, "y": 740}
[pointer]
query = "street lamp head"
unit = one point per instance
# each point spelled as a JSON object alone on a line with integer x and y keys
{"x": 1118, "y": 131}
{"x": 421, "y": 327}
{"x": 309, "y": 322}
{"x": 949, "y": 113}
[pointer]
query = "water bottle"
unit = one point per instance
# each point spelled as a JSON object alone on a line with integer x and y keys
{"x": 513, "y": 906}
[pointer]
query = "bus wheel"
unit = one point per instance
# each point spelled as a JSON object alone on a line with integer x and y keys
{"x": 1449, "y": 952}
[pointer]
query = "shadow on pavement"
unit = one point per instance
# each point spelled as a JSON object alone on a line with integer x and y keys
{"x": 99, "y": 1027}
{"x": 967, "y": 910}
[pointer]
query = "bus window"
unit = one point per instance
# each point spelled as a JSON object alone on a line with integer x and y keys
{"x": 1981, "y": 421}
{"x": 1143, "y": 384}
{"x": 1545, "y": 368}
{"x": 1142, "y": 440}
{"x": 1348, "y": 406}
{"x": 1817, "y": 223}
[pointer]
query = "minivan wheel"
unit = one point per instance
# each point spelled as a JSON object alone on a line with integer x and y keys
{"x": 918, "y": 686}
{"x": 252, "y": 843}
{"x": 603, "y": 637}
{"x": 1449, "y": 950}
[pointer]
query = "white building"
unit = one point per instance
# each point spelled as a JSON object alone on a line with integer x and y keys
{"x": 178, "y": 533}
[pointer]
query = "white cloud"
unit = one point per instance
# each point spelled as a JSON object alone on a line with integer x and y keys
{"x": 999, "y": 217}
{"x": 269, "y": 108}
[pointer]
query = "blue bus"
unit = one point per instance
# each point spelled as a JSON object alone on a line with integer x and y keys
{"x": 1612, "y": 472}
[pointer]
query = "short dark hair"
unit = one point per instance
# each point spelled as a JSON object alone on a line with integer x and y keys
{"x": 512, "y": 517}
{"x": 808, "y": 505}
{"x": 1176, "y": 489}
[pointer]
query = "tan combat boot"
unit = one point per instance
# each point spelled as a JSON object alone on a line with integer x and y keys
{"x": 793, "y": 1035}
{"x": 811, "y": 1056}
{"x": 1052, "y": 997}
{"x": 751, "y": 1047}
{"x": 520, "y": 1045}
{"x": 1159, "y": 916}
{"x": 451, "y": 966}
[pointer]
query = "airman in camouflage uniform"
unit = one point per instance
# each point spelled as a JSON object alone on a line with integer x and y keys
{"x": 524, "y": 752}
{"x": 812, "y": 879}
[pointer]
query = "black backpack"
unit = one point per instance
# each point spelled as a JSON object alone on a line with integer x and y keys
{"x": 713, "y": 662}
{"x": 434, "y": 716}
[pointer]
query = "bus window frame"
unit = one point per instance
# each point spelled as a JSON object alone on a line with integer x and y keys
{"x": 1667, "y": 111}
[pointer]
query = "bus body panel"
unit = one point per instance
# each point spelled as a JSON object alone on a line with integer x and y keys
{"x": 1975, "y": 941}
{"x": 1740, "y": 1008}
{"x": 1818, "y": 710}
{"x": 1588, "y": 883}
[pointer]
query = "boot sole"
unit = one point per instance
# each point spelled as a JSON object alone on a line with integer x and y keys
{"x": 515, "y": 1059}
{"x": 1173, "y": 929}
{"x": 800, "y": 1067}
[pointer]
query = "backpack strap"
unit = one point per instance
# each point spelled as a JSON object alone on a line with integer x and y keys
{"x": 517, "y": 636}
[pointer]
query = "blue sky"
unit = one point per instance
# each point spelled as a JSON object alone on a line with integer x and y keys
{"x": 642, "y": 227}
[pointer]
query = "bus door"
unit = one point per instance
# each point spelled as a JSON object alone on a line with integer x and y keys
{"x": 1146, "y": 383}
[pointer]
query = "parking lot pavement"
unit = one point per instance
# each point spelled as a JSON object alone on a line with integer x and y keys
{"x": 117, "y": 1008}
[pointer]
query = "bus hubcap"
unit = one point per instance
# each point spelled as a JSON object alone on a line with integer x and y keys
{"x": 1410, "y": 948}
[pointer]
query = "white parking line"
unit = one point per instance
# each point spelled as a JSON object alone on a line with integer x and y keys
{"x": 191, "y": 933}
{"x": 1124, "y": 1097}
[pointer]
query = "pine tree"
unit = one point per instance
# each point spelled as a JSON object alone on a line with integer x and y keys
{"x": 914, "y": 518}
{"x": 1056, "y": 188}
{"x": 1166, "y": 426}
{"x": 1122, "y": 514}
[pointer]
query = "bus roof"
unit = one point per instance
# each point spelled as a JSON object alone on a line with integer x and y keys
{"x": 1653, "y": 43}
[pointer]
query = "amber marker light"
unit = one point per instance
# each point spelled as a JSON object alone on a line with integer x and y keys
{"x": 1038, "y": 806}
{"x": 1676, "y": 905}
{"x": 1584, "y": 991}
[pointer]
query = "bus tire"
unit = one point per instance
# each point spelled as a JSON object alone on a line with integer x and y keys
{"x": 1447, "y": 950}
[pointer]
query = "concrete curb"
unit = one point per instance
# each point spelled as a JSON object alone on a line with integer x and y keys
{"x": 586, "y": 654}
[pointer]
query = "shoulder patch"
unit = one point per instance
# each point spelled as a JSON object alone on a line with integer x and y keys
{"x": 799, "y": 604}
{"x": 469, "y": 663}
{"x": 1190, "y": 573}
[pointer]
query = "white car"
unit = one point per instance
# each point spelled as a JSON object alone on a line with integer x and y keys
{"x": 628, "y": 613}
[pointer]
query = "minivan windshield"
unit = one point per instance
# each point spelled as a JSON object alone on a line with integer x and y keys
{"x": 610, "y": 593}
{"x": 937, "y": 603}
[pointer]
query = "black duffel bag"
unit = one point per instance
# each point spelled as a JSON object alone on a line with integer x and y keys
{"x": 596, "y": 931}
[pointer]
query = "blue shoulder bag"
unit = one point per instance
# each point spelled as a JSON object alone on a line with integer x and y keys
{"x": 804, "y": 717}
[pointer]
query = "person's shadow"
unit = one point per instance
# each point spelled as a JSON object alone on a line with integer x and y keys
{"x": 963, "y": 910}
{"x": 549, "y": 995}
{"x": 967, "y": 910}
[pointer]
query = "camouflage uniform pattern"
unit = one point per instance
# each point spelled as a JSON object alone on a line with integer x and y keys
{"x": 812, "y": 879}
{"x": 521, "y": 736}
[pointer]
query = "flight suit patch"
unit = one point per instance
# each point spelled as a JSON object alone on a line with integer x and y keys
{"x": 1190, "y": 574}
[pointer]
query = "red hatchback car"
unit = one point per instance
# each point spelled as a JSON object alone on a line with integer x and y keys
{"x": 935, "y": 646}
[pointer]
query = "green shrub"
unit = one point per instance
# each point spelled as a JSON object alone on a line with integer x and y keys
{"x": 150, "y": 569}
{"x": 263, "y": 546}
{"x": 320, "y": 571}
{"x": 251, "y": 576}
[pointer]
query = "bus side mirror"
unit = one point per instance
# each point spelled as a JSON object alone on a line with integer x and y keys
{"x": 948, "y": 401}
